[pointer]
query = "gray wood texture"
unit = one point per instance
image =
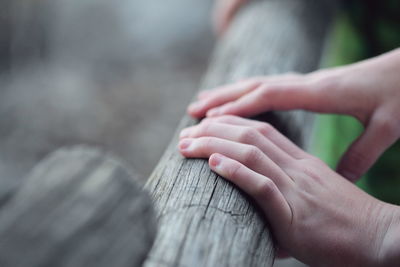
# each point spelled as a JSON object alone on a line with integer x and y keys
{"x": 79, "y": 207}
{"x": 204, "y": 220}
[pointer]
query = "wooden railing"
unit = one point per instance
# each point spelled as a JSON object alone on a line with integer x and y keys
{"x": 204, "y": 220}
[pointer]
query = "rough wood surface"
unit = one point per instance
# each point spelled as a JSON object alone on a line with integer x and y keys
{"x": 79, "y": 207}
{"x": 204, "y": 220}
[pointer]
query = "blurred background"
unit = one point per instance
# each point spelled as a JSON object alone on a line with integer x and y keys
{"x": 114, "y": 74}
{"x": 119, "y": 75}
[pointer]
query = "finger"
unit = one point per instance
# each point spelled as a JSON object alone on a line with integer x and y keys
{"x": 363, "y": 153}
{"x": 241, "y": 134}
{"x": 262, "y": 189}
{"x": 219, "y": 96}
{"x": 293, "y": 95}
{"x": 248, "y": 155}
{"x": 268, "y": 131}
{"x": 272, "y": 79}
{"x": 228, "y": 93}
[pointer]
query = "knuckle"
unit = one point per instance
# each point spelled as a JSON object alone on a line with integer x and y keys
{"x": 206, "y": 142}
{"x": 265, "y": 129}
{"x": 205, "y": 127}
{"x": 248, "y": 135}
{"x": 264, "y": 189}
{"x": 252, "y": 155}
{"x": 234, "y": 170}
{"x": 309, "y": 168}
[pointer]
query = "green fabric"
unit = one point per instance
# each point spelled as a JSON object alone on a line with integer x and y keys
{"x": 366, "y": 28}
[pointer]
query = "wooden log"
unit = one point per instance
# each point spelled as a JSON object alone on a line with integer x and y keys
{"x": 79, "y": 207}
{"x": 204, "y": 220}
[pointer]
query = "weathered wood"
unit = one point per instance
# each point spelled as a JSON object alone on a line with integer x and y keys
{"x": 80, "y": 207}
{"x": 204, "y": 220}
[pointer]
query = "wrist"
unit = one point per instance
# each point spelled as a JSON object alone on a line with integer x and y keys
{"x": 389, "y": 251}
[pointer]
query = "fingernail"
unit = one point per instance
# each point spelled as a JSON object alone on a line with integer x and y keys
{"x": 184, "y": 133}
{"x": 185, "y": 144}
{"x": 215, "y": 160}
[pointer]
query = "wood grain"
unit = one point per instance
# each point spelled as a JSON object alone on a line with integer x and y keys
{"x": 204, "y": 220}
{"x": 79, "y": 207}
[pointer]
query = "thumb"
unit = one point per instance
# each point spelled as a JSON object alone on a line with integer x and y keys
{"x": 380, "y": 133}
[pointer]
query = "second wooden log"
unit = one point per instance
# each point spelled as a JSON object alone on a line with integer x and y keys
{"x": 79, "y": 207}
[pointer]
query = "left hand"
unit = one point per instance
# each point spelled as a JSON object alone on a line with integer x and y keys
{"x": 316, "y": 215}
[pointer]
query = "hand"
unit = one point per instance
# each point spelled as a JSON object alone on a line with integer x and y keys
{"x": 368, "y": 91}
{"x": 224, "y": 11}
{"x": 316, "y": 215}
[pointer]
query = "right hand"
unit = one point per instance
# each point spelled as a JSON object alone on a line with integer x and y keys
{"x": 368, "y": 91}
{"x": 315, "y": 215}
{"x": 224, "y": 11}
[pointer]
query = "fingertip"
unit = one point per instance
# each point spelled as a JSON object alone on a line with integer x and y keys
{"x": 185, "y": 145}
{"x": 194, "y": 110}
{"x": 190, "y": 112}
{"x": 215, "y": 160}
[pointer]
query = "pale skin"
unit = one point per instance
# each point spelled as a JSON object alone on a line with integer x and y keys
{"x": 316, "y": 214}
{"x": 368, "y": 91}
